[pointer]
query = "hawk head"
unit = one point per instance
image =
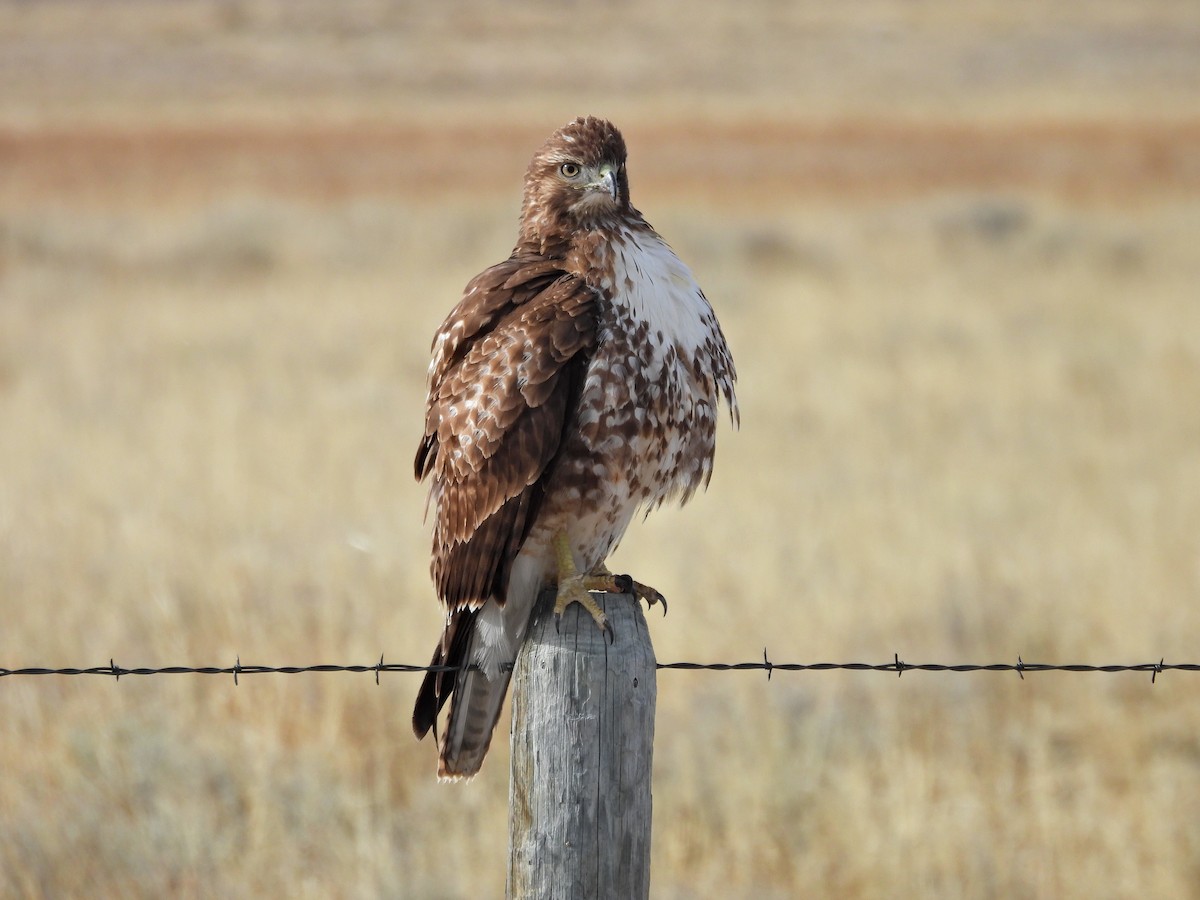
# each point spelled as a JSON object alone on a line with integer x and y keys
{"x": 576, "y": 180}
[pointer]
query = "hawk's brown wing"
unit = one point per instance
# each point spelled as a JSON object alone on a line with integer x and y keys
{"x": 507, "y": 366}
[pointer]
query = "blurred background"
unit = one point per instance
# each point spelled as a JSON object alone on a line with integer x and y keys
{"x": 954, "y": 248}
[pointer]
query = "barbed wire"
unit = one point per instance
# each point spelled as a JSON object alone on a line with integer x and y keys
{"x": 896, "y": 665}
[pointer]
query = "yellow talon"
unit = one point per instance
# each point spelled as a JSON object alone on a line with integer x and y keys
{"x": 574, "y": 590}
{"x": 574, "y": 587}
{"x": 623, "y": 584}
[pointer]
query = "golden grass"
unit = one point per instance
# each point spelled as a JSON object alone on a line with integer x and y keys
{"x": 970, "y": 431}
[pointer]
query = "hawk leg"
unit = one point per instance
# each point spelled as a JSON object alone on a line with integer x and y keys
{"x": 574, "y": 587}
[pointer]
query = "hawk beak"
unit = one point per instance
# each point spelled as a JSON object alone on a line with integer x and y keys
{"x": 608, "y": 179}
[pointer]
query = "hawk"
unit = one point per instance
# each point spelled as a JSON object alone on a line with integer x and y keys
{"x": 575, "y": 383}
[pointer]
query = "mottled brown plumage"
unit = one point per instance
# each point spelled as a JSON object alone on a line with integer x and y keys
{"x": 574, "y": 382}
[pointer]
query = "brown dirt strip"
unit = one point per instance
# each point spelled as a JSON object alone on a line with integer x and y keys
{"x": 755, "y": 162}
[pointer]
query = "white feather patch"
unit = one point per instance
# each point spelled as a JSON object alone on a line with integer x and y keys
{"x": 658, "y": 288}
{"x": 499, "y": 630}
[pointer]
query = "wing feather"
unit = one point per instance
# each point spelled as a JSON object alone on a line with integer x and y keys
{"x": 507, "y": 369}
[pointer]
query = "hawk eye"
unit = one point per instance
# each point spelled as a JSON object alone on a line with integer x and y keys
{"x": 569, "y": 170}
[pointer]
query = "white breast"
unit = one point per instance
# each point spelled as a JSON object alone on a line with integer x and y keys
{"x": 650, "y": 284}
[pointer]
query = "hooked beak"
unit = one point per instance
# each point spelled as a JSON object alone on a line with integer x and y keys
{"x": 609, "y": 179}
{"x": 600, "y": 195}
{"x": 607, "y": 182}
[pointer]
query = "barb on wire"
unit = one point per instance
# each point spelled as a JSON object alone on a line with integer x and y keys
{"x": 897, "y": 665}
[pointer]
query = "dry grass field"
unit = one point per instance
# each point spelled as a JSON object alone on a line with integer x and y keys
{"x": 955, "y": 250}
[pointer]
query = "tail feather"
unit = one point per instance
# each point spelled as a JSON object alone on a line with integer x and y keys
{"x": 474, "y": 711}
{"x": 438, "y": 687}
{"x": 475, "y": 700}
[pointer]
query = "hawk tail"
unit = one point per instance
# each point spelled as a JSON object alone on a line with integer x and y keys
{"x": 474, "y": 710}
{"x": 476, "y": 698}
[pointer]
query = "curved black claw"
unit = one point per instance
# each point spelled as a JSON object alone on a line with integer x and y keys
{"x": 606, "y": 627}
{"x": 626, "y": 585}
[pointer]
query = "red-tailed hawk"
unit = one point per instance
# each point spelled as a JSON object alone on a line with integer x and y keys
{"x": 574, "y": 383}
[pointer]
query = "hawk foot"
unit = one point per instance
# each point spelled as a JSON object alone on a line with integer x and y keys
{"x": 624, "y": 584}
{"x": 574, "y": 589}
{"x": 647, "y": 593}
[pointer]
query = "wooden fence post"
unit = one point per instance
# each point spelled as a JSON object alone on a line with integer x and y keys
{"x": 582, "y": 745}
